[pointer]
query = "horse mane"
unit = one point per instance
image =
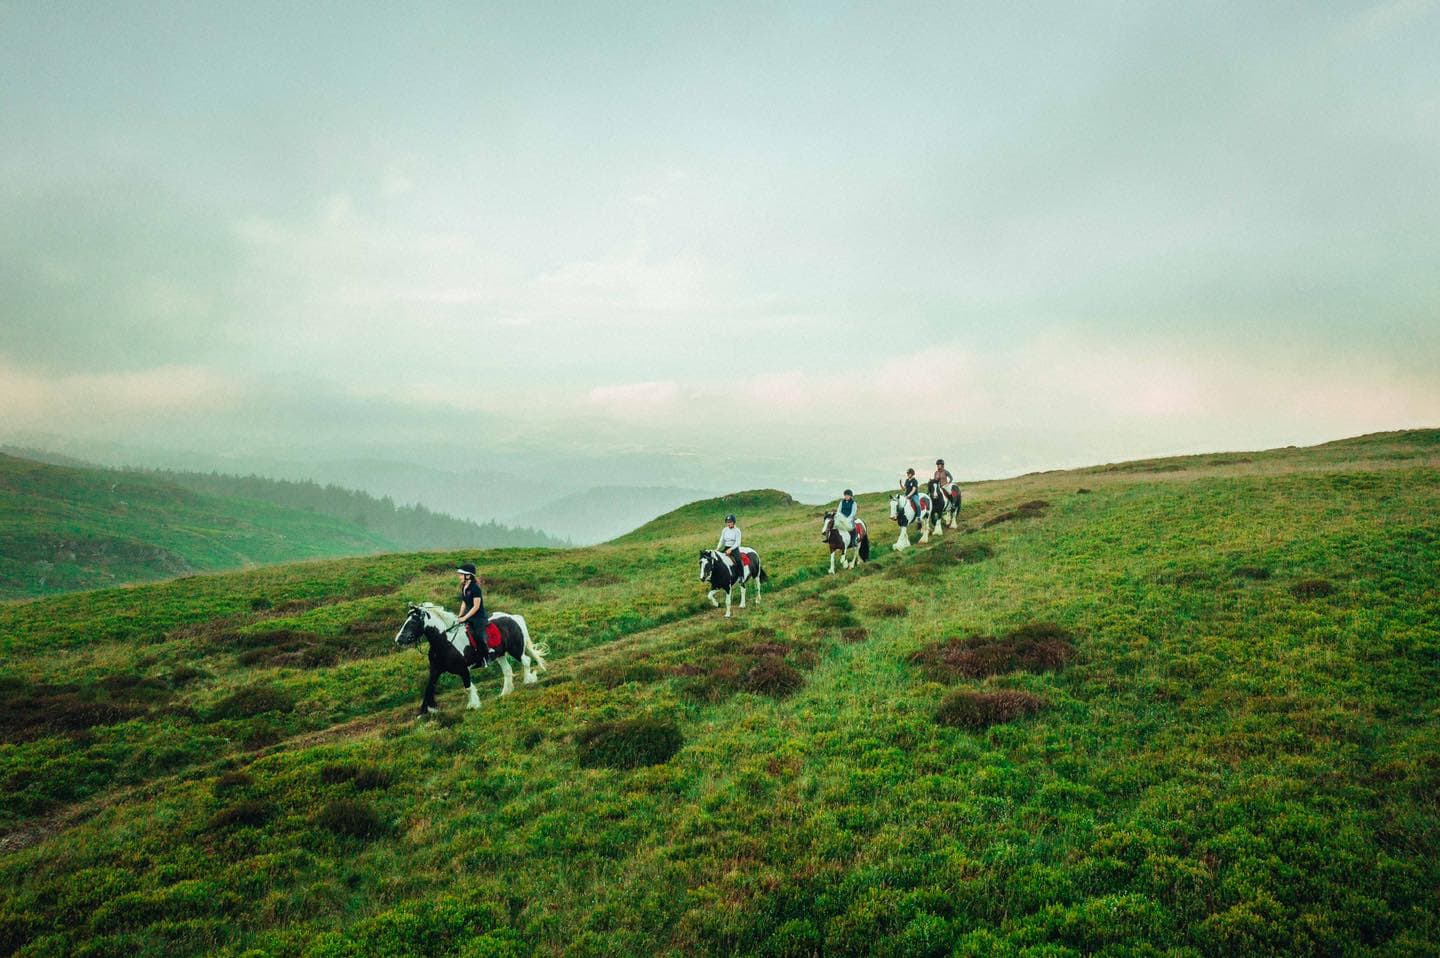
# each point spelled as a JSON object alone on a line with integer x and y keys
{"x": 440, "y": 612}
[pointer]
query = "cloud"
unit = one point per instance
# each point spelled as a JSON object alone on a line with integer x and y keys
{"x": 634, "y": 400}
{"x": 90, "y": 402}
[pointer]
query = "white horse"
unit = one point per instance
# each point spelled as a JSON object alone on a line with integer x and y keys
{"x": 904, "y": 514}
{"x": 451, "y": 651}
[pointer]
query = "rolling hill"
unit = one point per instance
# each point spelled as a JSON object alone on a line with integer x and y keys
{"x": 1183, "y": 706}
{"x": 64, "y": 528}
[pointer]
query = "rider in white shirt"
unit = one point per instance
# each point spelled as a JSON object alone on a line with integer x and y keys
{"x": 730, "y": 539}
{"x": 847, "y": 511}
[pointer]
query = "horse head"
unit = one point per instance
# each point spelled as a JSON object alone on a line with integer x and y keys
{"x": 827, "y": 525}
{"x": 707, "y": 562}
{"x": 412, "y": 631}
{"x": 895, "y": 507}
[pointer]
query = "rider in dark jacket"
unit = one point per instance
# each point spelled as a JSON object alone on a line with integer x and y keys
{"x": 911, "y": 487}
{"x": 472, "y": 607}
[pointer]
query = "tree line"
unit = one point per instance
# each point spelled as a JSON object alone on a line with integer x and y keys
{"x": 408, "y": 527}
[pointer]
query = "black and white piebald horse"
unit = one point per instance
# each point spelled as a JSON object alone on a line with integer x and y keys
{"x": 946, "y": 504}
{"x": 905, "y": 515}
{"x": 724, "y": 574}
{"x": 451, "y": 651}
{"x": 841, "y": 541}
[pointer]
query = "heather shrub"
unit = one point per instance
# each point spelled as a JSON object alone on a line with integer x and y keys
{"x": 977, "y": 710}
{"x": 628, "y": 743}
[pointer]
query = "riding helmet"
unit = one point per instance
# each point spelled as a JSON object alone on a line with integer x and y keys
{"x": 847, "y": 492}
{"x": 939, "y": 462}
{"x": 467, "y": 569}
{"x": 730, "y": 518}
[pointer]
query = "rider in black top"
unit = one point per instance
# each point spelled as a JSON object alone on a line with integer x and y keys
{"x": 472, "y": 607}
{"x": 911, "y": 487}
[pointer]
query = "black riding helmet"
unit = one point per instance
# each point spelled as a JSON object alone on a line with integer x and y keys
{"x": 730, "y": 518}
{"x": 939, "y": 462}
{"x": 847, "y": 492}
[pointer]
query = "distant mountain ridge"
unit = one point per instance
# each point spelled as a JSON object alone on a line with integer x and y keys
{"x": 68, "y": 527}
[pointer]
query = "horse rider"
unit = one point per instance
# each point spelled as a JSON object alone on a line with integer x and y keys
{"x": 943, "y": 479}
{"x": 472, "y": 607}
{"x": 911, "y": 488}
{"x": 729, "y": 543}
{"x": 847, "y": 511}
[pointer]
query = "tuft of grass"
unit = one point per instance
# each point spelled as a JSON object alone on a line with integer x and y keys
{"x": 972, "y": 552}
{"x": 771, "y": 675}
{"x": 889, "y": 610}
{"x": 233, "y": 781}
{"x": 346, "y": 816}
{"x": 250, "y": 701}
{"x": 1026, "y": 510}
{"x": 1037, "y": 647}
{"x": 363, "y": 775}
{"x": 617, "y": 672}
{"x": 977, "y": 710}
{"x": 1255, "y": 572}
{"x": 628, "y": 743}
{"x": 854, "y": 635}
{"x": 249, "y": 813}
{"x": 1307, "y": 589}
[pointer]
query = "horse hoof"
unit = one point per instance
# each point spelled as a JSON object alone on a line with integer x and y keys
{"x": 430, "y": 711}
{"x": 473, "y": 705}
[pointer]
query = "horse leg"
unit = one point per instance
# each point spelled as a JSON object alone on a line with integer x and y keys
{"x": 924, "y": 530}
{"x": 742, "y": 597}
{"x": 474, "y": 702}
{"x": 832, "y": 561}
{"x": 938, "y": 523}
{"x": 427, "y": 701}
{"x": 727, "y": 603}
{"x": 711, "y": 596}
{"x": 530, "y": 677}
{"x": 509, "y": 685}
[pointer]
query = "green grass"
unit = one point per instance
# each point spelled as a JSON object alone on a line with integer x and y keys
{"x": 1226, "y": 758}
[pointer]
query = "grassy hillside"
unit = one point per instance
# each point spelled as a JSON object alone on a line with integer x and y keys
{"x": 64, "y": 528}
{"x": 1184, "y": 707}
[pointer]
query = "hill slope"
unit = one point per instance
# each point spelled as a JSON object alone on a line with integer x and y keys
{"x": 65, "y": 528}
{"x": 1182, "y": 706}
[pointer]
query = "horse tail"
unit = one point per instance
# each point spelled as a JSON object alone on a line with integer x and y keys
{"x": 536, "y": 651}
{"x": 865, "y": 548}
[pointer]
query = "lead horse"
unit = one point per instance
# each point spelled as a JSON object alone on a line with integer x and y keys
{"x": 946, "y": 504}
{"x": 841, "y": 542}
{"x": 452, "y": 652}
{"x": 724, "y": 574}
{"x": 905, "y": 515}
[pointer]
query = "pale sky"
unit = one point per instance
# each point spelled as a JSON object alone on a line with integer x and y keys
{"x": 803, "y": 245}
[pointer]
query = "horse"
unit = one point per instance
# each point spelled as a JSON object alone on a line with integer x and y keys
{"x": 724, "y": 574}
{"x": 451, "y": 651}
{"x": 903, "y": 512}
{"x": 947, "y": 502}
{"x": 841, "y": 543}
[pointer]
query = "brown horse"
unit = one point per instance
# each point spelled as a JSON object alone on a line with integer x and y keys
{"x": 841, "y": 542}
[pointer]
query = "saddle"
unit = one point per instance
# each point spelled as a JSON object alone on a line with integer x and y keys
{"x": 493, "y": 639}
